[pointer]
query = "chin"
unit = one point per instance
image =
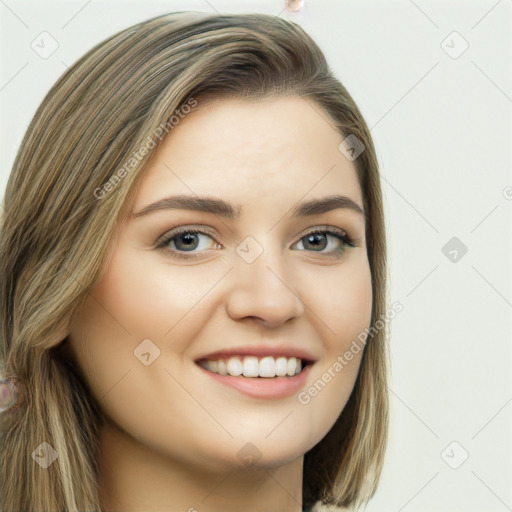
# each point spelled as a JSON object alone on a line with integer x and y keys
{"x": 244, "y": 454}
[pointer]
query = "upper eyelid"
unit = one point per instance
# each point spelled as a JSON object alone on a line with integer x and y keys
{"x": 169, "y": 235}
{"x": 208, "y": 231}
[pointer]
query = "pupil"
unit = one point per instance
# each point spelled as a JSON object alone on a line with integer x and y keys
{"x": 188, "y": 236}
{"x": 314, "y": 239}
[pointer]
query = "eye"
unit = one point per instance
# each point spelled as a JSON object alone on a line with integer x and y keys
{"x": 187, "y": 240}
{"x": 319, "y": 239}
{"x": 183, "y": 239}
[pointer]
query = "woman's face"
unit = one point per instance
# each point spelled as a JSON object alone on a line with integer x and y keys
{"x": 252, "y": 283}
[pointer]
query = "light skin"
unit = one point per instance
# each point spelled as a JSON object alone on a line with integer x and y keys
{"x": 174, "y": 434}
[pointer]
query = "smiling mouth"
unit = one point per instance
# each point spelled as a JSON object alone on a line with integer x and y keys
{"x": 255, "y": 367}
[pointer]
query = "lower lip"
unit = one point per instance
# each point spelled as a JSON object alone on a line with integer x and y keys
{"x": 263, "y": 387}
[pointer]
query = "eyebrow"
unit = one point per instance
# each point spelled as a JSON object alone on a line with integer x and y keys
{"x": 230, "y": 211}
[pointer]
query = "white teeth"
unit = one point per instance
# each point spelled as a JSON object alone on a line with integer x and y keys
{"x": 281, "y": 365}
{"x": 267, "y": 367}
{"x": 251, "y": 366}
{"x": 234, "y": 366}
{"x": 212, "y": 366}
{"x": 291, "y": 366}
{"x": 221, "y": 367}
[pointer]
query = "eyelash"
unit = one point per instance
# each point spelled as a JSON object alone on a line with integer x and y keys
{"x": 162, "y": 243}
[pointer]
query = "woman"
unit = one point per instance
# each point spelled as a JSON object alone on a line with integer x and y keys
{"x": 193, "y": 255}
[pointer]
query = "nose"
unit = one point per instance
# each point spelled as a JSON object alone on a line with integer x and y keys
{"x": 263, "y": 292}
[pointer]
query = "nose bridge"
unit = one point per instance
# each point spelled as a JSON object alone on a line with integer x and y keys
{"x": 260, "y": 283}
{"x": 259, "y": 265}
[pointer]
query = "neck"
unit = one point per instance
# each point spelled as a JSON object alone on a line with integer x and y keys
{"x": 132, "y": 477}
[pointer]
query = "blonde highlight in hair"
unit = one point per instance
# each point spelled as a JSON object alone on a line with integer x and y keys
{"x": 56, "y": 237}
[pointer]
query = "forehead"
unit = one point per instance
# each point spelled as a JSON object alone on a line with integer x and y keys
{"x": 250, "y": 151}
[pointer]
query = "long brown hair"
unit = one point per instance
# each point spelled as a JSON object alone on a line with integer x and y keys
{"x": 67, "y": 194}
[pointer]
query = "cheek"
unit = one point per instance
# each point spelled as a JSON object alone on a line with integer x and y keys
{"x": 341, "y": 301}
{"x": 351, "y": 310}
{"x": 135, "y": 300}
{"x": 149, "y": 298}
{"x": 354, "y": 305}
{"x": 347, "y": 307}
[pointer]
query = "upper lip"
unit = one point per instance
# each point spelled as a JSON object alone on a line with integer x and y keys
{"x": 260, "y": 351}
